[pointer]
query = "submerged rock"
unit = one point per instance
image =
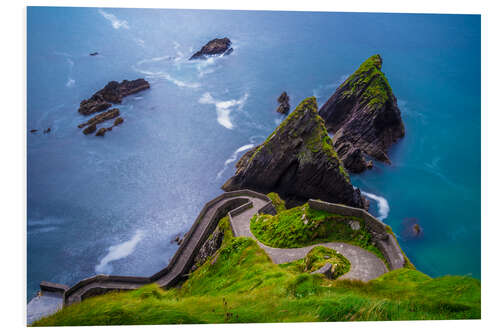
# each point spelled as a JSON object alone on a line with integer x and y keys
{"x": 47, "y": 130}
{"x": 118, "y": 121}
{"x": 107, "y": 115}
{"x": 101, "y": 131}
{"x": 94, "y": 53}
{"x": 364, "y": 115}
{"x": 112, "y": 93}
{"x": 90, "y": 129}
{"x": 214, "y": 47}
{"x": 284, "y": 102}
{"x": 298, "y": 162}
{"x": 33, "y": 131}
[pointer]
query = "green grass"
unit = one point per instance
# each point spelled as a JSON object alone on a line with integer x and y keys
{"x": 317, "y": 258}
{"x": 302, "y": 226}
{"x": 369, "y": 83}
{"x": 244, "y": 286}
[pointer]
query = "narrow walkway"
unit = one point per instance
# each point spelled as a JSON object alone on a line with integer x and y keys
{"x": 365, "y": 266}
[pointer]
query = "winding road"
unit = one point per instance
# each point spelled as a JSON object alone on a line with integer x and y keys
{"x": 365, "y": 266}
{"x": 240, "y": 206}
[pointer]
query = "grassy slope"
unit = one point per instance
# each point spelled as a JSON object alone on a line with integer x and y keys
{"x": 288, "y": 230}
{"x": 241, "y": 284}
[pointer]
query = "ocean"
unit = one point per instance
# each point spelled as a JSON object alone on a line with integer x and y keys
{"x": 113, "y": 205}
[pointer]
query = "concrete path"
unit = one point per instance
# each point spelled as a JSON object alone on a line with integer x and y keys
{"x": 365, "y": 266}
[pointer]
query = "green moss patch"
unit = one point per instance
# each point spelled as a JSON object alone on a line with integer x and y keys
{"x": 302, "y": 226}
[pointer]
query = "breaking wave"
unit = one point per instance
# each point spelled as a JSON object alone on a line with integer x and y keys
{"x": 115, "y": 22}
{"x": 119, "y": 251}
{"x": 224, "y": 108}
{"x": 382, "y": 204}
{"x": 234, "y": 157}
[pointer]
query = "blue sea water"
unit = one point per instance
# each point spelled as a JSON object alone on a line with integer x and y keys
{"x": 114, "y": 204}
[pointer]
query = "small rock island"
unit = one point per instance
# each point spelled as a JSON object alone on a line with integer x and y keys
{"x": 284, "y": 103}
{"x": 214, "y": 47}
{"x": 364, "y": 116}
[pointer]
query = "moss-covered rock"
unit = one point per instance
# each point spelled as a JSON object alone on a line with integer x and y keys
{"x": 298, "y": 162}
{"x": 364, "y": 115}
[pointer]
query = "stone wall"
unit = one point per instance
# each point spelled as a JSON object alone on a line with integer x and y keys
{"x": 384, "y": 240}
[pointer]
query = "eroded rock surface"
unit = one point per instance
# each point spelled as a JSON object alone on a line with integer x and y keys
{"x": 112, "y": 93}
{"x": 364, "y": 116}
{"x": 284, "y": 102}
{"x": 298, "y": 162}
{"x": 214, "y": 47}
{"x": 101, "y": 117}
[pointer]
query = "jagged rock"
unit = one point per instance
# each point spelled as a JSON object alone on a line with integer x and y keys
{"x": 101, "y": 131}
{"x": 214, "y": 47}
{"x": 90, "y": 129}
{"x": 284, "y": 102}
{"x": 113, "y": 92}
{"x": 298, "y": 162}
{"x": 364, "y": 115}
{"x": 107, "y": 115}
{"x": 118, "y": 121}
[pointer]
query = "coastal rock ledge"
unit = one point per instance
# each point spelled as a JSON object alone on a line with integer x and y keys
{"x": 112, "y": 93}
{"x": 364, "y": 116}
{"x": 298, "y": 162}
{"x": 214, "y": 47}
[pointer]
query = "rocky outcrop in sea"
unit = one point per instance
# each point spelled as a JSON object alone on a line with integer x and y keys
{"x": 284, "y": 103}
{"x": 214, "y": 47}
{"x": 364, "y": 116}
{"x": 298, "y": 162}
{"x": 112, "y": 93}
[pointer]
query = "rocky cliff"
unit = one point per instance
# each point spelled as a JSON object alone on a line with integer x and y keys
{"x": 297, "y": 161}
{"x": 364, "y": 115}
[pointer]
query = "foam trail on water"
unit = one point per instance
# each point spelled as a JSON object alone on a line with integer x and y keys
{"x": 233, "y": 157}
{"x": 383, "y": 205}
{"x": 224, "y": 108}
{"x": 115, "y": 22}
{"x": 166, "y": 76}
{"x": 119, "y": 251}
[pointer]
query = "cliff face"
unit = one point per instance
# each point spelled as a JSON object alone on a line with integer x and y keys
{"x": 297, "y": 161}
{"x": 364, "y": 115}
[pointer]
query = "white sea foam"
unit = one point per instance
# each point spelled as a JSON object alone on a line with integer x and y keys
{"x": 155, "y": 59}
{"x": 117, "y": 252}
{"x": 382, "y": 204}
{"x": 224, "y": 108}
{"x": 234, "y": 157}
{"x": 168, "y": 77}
{"x": 115, "y": 22}
{"x": 70, "y": 83}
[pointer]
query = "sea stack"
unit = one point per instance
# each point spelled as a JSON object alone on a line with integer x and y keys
{"x": 214, "y": 47}
{"x": 364, "y": 116}
{"x": 112, "y": 93}
{"x": 297, "y": 161}
{"x": 284, "y": 103}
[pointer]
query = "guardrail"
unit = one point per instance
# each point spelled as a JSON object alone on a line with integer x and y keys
{"x": 236, "y": 206}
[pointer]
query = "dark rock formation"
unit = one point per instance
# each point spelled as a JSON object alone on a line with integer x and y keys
{"x": 284, "y": 102}
{"x": 90, "y": 129}
{"x": 33, "y": 131}
{"x": 298, "y": 162}
{"x": 101, "y": 117}
{"x": 364, "y": 115}
{"x": 94, "y": 53}
{"x": 118, "y": 121}
{"x": 113, "y": 92}
{"x": 101, "y": 131}
{"x": 214, "y": 47}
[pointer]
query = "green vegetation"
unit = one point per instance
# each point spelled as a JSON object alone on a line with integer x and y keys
{"x": 315, "y": 141}
{"x": 303, "y": 226}
{"x": 278, "y": 203}
{"x": 369, "y": 82}
{"x": 317, "y": 258}
{"x": 241, "y": 284}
